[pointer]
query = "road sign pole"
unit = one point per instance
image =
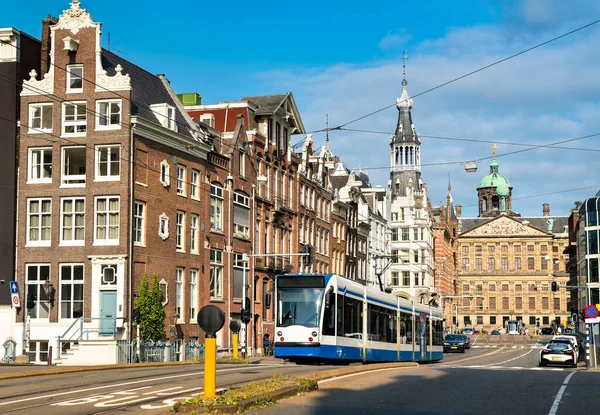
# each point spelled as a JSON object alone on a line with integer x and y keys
{"x": 587, "y": 346}
{"x": 235, "y": 345}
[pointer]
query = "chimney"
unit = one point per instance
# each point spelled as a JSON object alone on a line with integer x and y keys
{"x": 546, "y": 209}
{"x": 458, "y": 211}
{"x": 45, "y": 49}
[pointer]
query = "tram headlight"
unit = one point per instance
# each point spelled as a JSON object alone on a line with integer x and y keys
{"x": 310, "y": 339}
{"x": 279, "y": 333}
{"x": 314, "y": 334}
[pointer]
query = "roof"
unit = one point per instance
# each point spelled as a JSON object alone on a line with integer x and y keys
{"x": 146, "y": 89}
{"x": 495, "y": 179}
{"x": 404, "y": 127}
{"x": 267, "y": 104}
{"x": 539, "y": 222}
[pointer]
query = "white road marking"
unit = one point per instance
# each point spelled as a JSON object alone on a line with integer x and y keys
{"x": 115, "y": 385}
{"x": 359, "y": 373}
{"x": 560, "y": 394}
{"x": 469, "y": 358}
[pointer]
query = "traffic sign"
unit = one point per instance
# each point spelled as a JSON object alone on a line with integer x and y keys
{"x": 14, "y": 294}
{"x": 590, "y": 311}
{"x": 592, "y": 320}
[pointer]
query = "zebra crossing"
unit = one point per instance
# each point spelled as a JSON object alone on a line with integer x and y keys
{"x": 501, "y": 346}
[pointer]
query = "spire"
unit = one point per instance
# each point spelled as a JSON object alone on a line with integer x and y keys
{"x": 494, "y": 164}
{"x": 404, "y": 58}
{"x": 404, "y": 102}
{"x": 327, "y": 129}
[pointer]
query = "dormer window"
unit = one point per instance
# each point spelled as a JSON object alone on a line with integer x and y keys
{"x": 75, "y": 78}
{"x": 208, "y": 119}
{"x": 165, "y": 114}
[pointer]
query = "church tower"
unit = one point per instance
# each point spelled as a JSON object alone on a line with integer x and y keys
{"x": 495, "y": 192}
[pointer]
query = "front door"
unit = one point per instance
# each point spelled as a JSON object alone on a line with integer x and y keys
{"x": 108, "y": 312}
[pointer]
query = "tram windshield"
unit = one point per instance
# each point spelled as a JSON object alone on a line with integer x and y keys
{"x": 299, "y": 300}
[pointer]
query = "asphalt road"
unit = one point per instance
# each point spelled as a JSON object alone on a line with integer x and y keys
{"x": 498, "y": 375}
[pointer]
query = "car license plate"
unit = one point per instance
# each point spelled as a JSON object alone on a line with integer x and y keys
{"x": 556, "y": 358}
{"x": 455, "y": 347}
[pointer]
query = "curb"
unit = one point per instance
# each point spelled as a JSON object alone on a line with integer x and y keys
{"x": 289, "y": 391}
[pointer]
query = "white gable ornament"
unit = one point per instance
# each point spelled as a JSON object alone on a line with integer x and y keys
{"x": 504, "y": 226}
{"x": 74, "y": 19}
{"x": 118, "y": 82}
{"x": 32, "y": 86}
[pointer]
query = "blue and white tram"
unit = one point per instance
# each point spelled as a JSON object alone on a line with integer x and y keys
{"x": 328, "y": 317}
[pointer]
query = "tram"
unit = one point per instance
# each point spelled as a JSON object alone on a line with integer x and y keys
{"x": 326, "y": 317}
{"x": 512, "y": 327}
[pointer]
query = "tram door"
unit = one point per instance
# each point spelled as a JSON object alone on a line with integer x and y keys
{"x": 423, "y": 337}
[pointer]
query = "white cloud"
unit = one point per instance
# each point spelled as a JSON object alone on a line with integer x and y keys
{"x": 544, "y": 96}
{"x": 395, "y": 40}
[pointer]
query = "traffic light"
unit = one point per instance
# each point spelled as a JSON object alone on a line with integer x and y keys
{"x": 246, "y": 313}
{"x": 135, "y": 316}
{"x": 554, "y": 286}
{"x": 309, "y": 258}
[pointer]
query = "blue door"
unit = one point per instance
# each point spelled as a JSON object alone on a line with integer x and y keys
{"x": 108, "y": 312}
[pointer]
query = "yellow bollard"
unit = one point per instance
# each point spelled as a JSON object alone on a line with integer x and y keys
{"x": 210, "y": 368}
{"x": 235, "y": 345}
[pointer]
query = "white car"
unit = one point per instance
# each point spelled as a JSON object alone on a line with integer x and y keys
{"x": 559, "y": 352}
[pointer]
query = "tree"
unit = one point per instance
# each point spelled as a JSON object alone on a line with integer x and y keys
{"x": 152, "y": 313}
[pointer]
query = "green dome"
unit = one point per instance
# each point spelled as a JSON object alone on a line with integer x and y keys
{"x": 494, "y": 179}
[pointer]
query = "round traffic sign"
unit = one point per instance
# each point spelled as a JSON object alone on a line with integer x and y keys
{"x": 210, "y": 319}
{"x": 16, "y": 300}
{"x": 591, "y": 311}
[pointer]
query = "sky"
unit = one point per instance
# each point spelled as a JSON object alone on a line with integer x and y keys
{"x": 344, "y": 59}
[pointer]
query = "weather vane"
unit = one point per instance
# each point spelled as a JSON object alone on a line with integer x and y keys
{"x": 494, "y": 147}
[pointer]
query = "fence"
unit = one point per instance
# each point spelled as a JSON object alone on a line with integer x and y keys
{"x": 159, "y": 351}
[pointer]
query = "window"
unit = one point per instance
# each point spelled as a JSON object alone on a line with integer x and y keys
{"x": 465, "y": 264}
{"x": 165, "y": 177}
{"x": 40, "y": 118}
{"x": 545, "y": 320}
{"x": 165, "y": 114}
{"x": 478, "y": 248}
{"x": 545, "y": 303}
{"x": 517, "y": 249}
{"x": 194, "y": 185}
{"x": 406, "y": 278}
{"x": 194, "y": 234}
{"x": 242, "y": 163}
{"x": 108, "y": 163}
{"x": 465, "y": 249}
{"x": 466, "y": 289}
{"x": 108, "y": 115}
{"x": 193, "y": 293}
{"x": 544, "y": 263}
{"x": 405, "y": 234}
{"x": 216, "y": 274}
{"x": 531, "y": 303}
{"x": 37, "y": 302}
{"x": 517, "y": 263}
{"x": 208, "y": 119}
{"x": 240, "y": 268}
{"x": 39, "y": 221}
{"x": 38, "y": 351}
{"x": 491, "y": 264}
{"x": 180, "y": 231}
{"x": 505, "y": 303}
{"x": 241, "y": 215}
{"x": 72, "y": 226}
{"x": 74, "y": 119}
{"x": 530, "y": 248}
{"x": 107, "y": 220}
{"x": 532, "y": 287}
{"x": 71, "y": 291}
{"x": 492, "y": 303}
{"x": 478, "y": 264}
{"x": 73, "y": 167}
{"x": 216, "y": 208}
{"x": 479, "y": 287}
{"x": 139, "y": 220}
{"x": 40, "y": 165}
{"x": 518, "y": 287}
{"x": 530, "y": 263}
{"x": 181, "y": 180}
{"x": 504, "y": 264}
{"x": 394, "y": 235}
{"x": 491, "y": 249}
{"x": 556, "y": 304}
{"x": 265, "y": 291}
{"x": 492, "y": 320}
{"x": 179, "y": 293}
{"x": 479, "y": 319}
{"x": 395, "y": 278}
{"x": 532, "y": 320}
{"x": 519, "y": 303}
{"x": 504, "y": 248}
{"x": 163, "y": 226}
{"x": 492, "y": 287}
{"x": 75, "y": 78}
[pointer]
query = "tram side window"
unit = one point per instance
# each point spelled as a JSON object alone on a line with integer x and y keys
{"x": 340, "y": 315}
{"x": 352, "y": 323}
{"x": 381, "y": 324}
{"x": 438, "y": 332}
{"x": 329, "y": 320}
{"x": 405, "y": 328}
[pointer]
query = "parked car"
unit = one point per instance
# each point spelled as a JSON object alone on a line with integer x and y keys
{"x": 467, "y": 330}
{"x": 495, "y": 333}
{"x": 454, "y": 343}
{"x": 559, "y": 351}
{"x": 546, "y": 331}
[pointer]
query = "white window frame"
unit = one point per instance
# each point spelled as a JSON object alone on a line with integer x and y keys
{"x": 110, "y": 175}
{"x": 107, "y": 240}
{"x": 40, "y": 228}
{"x": 40, "y": 129}
{"x": 193, "y": 309}
{"x": 39, "y": 152}
{"x": 180, "y": 231}
{"x": 194, "y": 220}
{"x": 216, "y": 203}
{"x": 39, "y": 294}
{"x": 165, "y": 173}
{"x": 195, "y": 185}
{"x": 74, "y": 215}
{"x": 216, "y": 274}
{"x": 71, "y": 78}
{"x": 208, "y": 119}
{"x": 165, "y": 114}
{"x": 108, "y": 113}
{"x": 72, "y": 283}
{"x": 242, "y": 163}
{"x": 243, "y": 201}
{"x": 181, "y": 170}
{"x": 79, "y": 119}
{"x": 163, "y": 226}
{"x": 179, "y": 292}
{"x": 72, "y": 180}
{"x": 139, "y": 223}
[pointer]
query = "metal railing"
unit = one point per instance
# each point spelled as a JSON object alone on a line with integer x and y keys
{"x": 80, "y": 328}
